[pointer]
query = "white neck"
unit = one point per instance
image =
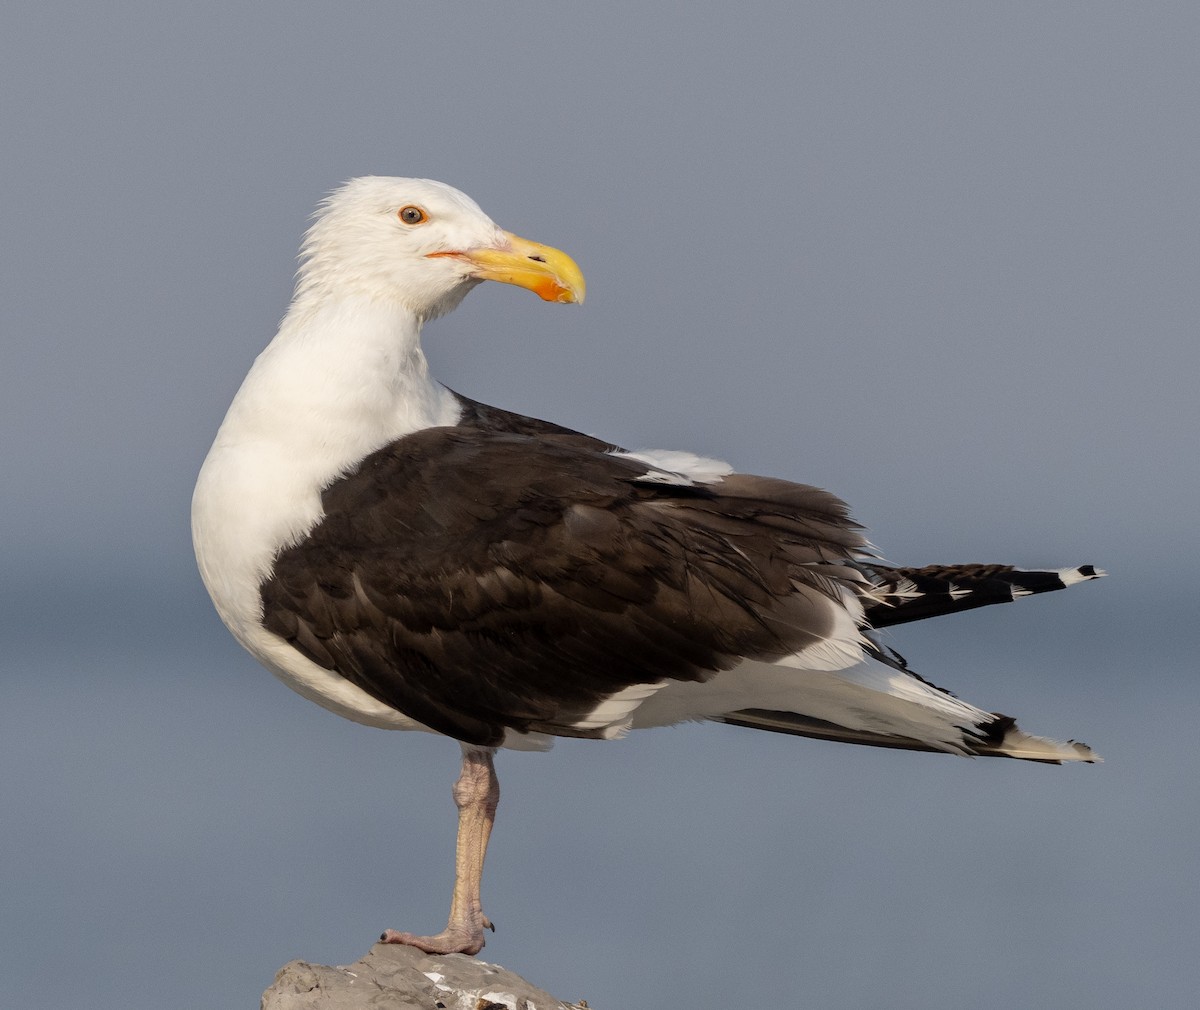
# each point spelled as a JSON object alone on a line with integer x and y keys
{"x": 341, "y": 379}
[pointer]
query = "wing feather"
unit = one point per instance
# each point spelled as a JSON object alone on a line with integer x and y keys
{"x": 481, "y": 580}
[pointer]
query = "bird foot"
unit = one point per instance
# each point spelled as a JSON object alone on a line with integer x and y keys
{"x": 460, "y": 940}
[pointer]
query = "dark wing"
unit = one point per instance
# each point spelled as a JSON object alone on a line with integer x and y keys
{"x": 479, "y": 580}
{"x": 484, "y": 417}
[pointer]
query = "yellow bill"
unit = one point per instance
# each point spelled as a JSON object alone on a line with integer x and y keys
{"x": 550, "y": 273}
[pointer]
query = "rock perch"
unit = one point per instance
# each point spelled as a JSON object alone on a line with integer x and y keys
{"x": 398, "y": 977}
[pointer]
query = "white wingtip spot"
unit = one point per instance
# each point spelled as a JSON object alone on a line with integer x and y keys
{"x": 906, "y": 589}
{"x": 1069, "y": 576}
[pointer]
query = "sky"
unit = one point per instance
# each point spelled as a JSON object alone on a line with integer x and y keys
{"x": 940, "y": 258}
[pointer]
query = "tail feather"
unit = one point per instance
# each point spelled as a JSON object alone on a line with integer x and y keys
{"x": 900, "y": 595}
{"x": 884, "y": 703}
{"x": 999, "y": 737}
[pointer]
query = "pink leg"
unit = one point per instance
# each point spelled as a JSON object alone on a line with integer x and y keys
{"x": 476, "y": 794}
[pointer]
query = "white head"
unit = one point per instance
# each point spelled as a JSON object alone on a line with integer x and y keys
{"x": 423, "y": 244}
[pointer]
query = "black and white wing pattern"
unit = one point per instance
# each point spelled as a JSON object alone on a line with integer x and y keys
{"x": 481, "y": 580}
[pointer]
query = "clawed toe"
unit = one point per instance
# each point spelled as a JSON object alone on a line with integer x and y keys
{"x": 446, "y": 942}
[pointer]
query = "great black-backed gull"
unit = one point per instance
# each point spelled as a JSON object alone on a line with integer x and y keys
{"x": 410, "y": 558}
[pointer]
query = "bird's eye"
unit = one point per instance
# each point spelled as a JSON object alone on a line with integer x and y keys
{"x": 413, "y": 215}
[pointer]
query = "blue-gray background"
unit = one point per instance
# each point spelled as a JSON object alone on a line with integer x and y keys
{"x": 939, "y": 257}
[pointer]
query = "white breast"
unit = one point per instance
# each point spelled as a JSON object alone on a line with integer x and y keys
{"x": 336, "y": 384}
